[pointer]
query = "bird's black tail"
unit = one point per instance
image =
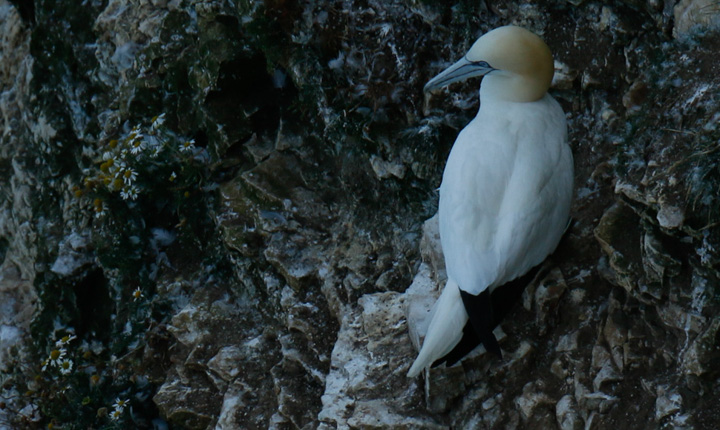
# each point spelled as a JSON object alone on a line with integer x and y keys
{"x": 485, "y": 312}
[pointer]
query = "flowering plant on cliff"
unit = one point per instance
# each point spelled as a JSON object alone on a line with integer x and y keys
{"x": 146, "y": 157}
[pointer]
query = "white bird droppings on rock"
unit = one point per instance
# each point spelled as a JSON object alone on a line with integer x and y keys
{"x": 670, "y": 216}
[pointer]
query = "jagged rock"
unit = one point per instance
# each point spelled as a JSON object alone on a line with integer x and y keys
{"x": 636, "y": 95}
{"x": 376, "y": 414}
{"x": 188, "y": 403}
{"x": 564, "y": 76}
{"x": 600, "y": 401}
{"x": 222, "y": 366}
{"x": 668, "y": 403}
{"x": 233, "y": 404}
{"x": 361, "y": 372}
{"x": 17, "y": 307}
{"x": 73, "y": 255}
{"x": 701, "y": 355}
{"x": 385, "y": 169}
{"x": 431, "y": 249}
{"x": 657, "y": 262}
{"x": 278, "y": 181}
{"x": 606, "y": 374}
{"x": 259, "y": 148}
{"x": 616, "y": 233}
{"x": 420, "y": 298}
{"x": 293, "y": 258}
{"x": 568, "y": 342}
{"x": 221, "y": 355}
{"x": 673, "y": 315}
{"x": 600, "y": 356}
{"x": 532, "y": 397}
{"x": 696, "y": 14}
{"x": 547, "y": 293}
{"x": 567, "y": 415}
{"x": 670, "y": 216}
{"x": 615, "y": 334}
{"x": 293, "y": 387}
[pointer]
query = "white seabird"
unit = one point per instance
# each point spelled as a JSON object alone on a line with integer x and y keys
{"x": 506, "y": 190}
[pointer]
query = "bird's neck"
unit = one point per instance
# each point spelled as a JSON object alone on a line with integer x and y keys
{"x": 511, "y": 87}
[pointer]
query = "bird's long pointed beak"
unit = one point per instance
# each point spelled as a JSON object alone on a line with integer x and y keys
{"x": 459, "y": 71}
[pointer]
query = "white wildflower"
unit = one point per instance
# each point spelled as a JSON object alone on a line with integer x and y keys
{"x": 137, "y": 294}
{"x": 56, "y": 356}
{"x": 100, "y": 208}
{"x": 135, "y": 133}
{"x": 158, "y": 121}
{"x": 129, "y": 193}
{"x": 137, "y": 146}
{"x": 119, "y": 165}
{"x": 129, "y": 175}
{"x": 65, "y": 340}
{"x": 116, "y": 414}
{"x": 187, "y": 146}
{"x": 66, "y": 366}
{"x": 119, "y": 404}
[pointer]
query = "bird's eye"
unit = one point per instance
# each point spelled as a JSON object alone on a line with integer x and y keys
{"x": 479, "y": 63}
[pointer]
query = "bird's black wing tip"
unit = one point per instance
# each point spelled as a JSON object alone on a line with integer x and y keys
{"x": 468, "y": 342}
{"x": 480, "y": 313}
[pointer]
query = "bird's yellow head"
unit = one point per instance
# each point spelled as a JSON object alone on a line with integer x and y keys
{"x": 517, "y": 64}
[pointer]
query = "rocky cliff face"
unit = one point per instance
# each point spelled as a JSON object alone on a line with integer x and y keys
{"x": 215, "y": 214}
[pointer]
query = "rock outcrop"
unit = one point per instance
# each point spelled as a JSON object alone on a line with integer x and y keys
{"x": 219, "y": 214}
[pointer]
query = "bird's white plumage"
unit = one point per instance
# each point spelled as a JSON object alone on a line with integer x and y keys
{"x": 508, "y": 182}
{"x": 505, "y": 193}
{"x": 443, "y": 333}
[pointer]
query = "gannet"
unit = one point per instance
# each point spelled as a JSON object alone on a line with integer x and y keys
{"x": 506, "y": 190}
